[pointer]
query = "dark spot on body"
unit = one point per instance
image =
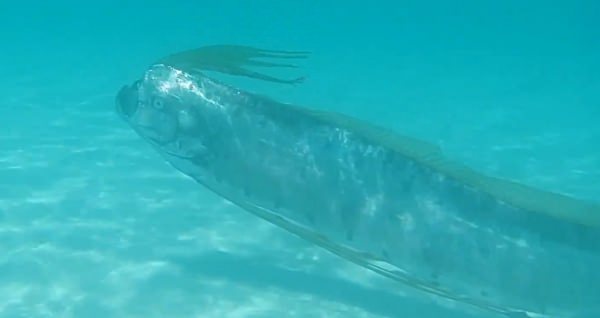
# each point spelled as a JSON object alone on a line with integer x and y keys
{"x": 277, "y": 203}
{"x": 218, "y": 178}
{"x": 302, "y": 173}
{"x": 385, "y": 254}
{"x": 350, "y": 235}
{"x": 311, "y": 219}
{"x": 484, "y": 250}
{"x": 261, "y": 122}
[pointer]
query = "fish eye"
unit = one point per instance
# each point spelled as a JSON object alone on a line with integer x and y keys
{"x": 158, "y": 104}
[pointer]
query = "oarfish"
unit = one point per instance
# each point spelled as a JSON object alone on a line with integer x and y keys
{"x": 387, "y": 202}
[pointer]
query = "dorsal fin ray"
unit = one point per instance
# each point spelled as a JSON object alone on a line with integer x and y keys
{"x": 234, "y": 60}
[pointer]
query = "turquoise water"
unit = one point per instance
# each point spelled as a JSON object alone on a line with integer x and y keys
{"x": 93, "y": 223}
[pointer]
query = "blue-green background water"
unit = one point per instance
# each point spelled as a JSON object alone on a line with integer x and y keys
{"x": 93, "y": 223}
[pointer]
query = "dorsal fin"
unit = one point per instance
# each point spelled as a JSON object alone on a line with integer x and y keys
{"x": 234, "y": 60}
{"x": 519, "y": 195}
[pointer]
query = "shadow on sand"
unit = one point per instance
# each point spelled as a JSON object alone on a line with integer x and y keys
{"x": 259, "y": 272}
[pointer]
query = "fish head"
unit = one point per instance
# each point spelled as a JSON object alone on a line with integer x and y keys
{"x": 163, "y": 112}
{"x": 150, "y": 116}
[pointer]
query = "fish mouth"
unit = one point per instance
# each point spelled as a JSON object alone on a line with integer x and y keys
{"x": 126, "y": 102}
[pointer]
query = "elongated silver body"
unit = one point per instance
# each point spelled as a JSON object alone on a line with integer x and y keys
{"x": 322, "y": 177}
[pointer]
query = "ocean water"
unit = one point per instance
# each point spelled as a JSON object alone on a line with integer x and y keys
{"x": 93, "y": 223}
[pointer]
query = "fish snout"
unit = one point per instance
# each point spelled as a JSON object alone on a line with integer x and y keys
{"x": 127, "y": 101}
